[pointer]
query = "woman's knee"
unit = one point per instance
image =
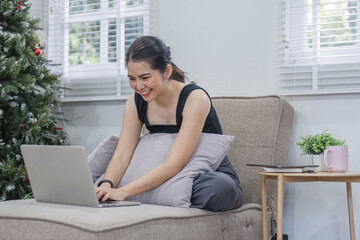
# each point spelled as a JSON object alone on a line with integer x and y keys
{"x": 228, "y": 194}
{"x": 217, "y": 191}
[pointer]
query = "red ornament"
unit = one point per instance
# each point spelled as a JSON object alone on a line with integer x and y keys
{"x": 37, "y": 51}
{"x": 18, "y": 7}
{"x": 27, "y": 179}
{"x": 55, "y": 129}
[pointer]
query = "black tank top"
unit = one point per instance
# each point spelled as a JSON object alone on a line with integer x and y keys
{"x": 212, "y": 124}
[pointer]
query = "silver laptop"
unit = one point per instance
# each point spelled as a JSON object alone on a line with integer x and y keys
{"x": 61, "y": 174}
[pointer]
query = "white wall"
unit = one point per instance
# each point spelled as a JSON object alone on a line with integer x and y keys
{"x": 227, "y": 47}
{"x": 319, "y": 210}
{"x": 230, "y": 49}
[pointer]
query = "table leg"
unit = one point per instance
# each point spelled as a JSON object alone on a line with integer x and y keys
{"x": 351, "y": 211}
{"x": 264, "y": 207}
{"x": 280, "y": 206}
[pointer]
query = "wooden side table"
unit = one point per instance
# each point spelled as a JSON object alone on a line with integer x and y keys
{"x": 282, "y": 178}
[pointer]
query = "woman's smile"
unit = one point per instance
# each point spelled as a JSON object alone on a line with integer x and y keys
{"x": 146, "y": 92}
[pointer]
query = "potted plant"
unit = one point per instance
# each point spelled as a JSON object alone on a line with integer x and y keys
{"x": 315, "y": 145}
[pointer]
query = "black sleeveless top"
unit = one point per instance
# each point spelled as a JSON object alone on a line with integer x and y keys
{"x": 212, "y": 124}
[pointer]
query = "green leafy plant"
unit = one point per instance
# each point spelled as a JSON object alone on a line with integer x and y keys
{"x": 28, "y": 100}
{"x": 316, "y": 144}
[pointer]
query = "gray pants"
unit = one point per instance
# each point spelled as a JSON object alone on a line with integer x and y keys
{"x": 216, "y": 191}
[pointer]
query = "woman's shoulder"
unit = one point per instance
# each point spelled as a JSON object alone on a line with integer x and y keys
{"x": 138, "y": 103}
{"x": 137, "y": 99}
{"x": 194, "y": 92}
{"x": 131, "y": 99}
{"x": 191, "y": 86}
{"x": 189, "y": 89}
{"x": 196, "y": 97}
{"x": 132, "y": 102}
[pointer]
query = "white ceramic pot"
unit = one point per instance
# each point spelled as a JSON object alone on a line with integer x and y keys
{"x": 319, "y": 160}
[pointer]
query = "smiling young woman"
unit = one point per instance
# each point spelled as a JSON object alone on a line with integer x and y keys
{"x": 165, "y": 104}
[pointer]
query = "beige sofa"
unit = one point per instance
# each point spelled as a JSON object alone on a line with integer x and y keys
{"x": 262, "y": 129}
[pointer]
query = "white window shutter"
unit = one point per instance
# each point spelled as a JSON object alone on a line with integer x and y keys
{"x": 318, "y": 46}
{"x": 87, "y": 42}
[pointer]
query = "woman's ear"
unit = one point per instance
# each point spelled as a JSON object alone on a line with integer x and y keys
{"x": 168, "y": 71}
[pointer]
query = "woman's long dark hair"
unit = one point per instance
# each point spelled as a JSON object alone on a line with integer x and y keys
{"x": 153, "y": 51}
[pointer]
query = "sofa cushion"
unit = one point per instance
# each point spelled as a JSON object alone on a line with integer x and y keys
{"x": 262, "y": 129}
{"x": 152, "y": 150}
{"x": 42, "y": 221}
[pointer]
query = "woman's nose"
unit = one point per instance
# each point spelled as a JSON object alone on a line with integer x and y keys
{"x": 139, "y": 85}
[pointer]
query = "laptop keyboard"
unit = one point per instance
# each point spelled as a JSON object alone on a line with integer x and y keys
{"x": 107, "y": 203}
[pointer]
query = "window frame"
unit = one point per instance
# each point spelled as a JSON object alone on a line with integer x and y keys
{"x": 345, "y": 50}
{"x": 82, "y": 73}
{"x": 293, "y": 60}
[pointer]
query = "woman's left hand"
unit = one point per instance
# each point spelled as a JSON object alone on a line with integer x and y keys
{"x": 106, "y": 193}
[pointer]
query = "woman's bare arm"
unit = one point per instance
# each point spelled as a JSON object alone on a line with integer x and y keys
{"x": 129, "y": 137}
{"x": 195, "y": 111}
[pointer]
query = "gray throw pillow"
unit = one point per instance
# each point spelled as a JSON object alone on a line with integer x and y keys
{"x": 153, "y": 149}
{"x": 100, "y": 158}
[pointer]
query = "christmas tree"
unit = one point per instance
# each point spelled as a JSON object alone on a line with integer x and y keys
{"x": 27, "y": 96}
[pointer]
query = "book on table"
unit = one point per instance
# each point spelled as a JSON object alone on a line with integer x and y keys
{"x": 285, "y": 168}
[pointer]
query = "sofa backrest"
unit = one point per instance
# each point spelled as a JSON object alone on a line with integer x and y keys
{"x": 262, "y": 128}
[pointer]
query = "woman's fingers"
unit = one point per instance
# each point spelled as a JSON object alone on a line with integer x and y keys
{"x": 99, "y": 193}
{"x": 103, "y": 193}
{"x": 107, "y": 196}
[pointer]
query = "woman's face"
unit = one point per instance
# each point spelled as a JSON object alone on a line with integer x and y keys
{"x": 145, "y": 81}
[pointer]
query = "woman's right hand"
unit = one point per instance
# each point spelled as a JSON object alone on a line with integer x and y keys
{"x": 102, "y": 186}
{"x": 105, "y": 193}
